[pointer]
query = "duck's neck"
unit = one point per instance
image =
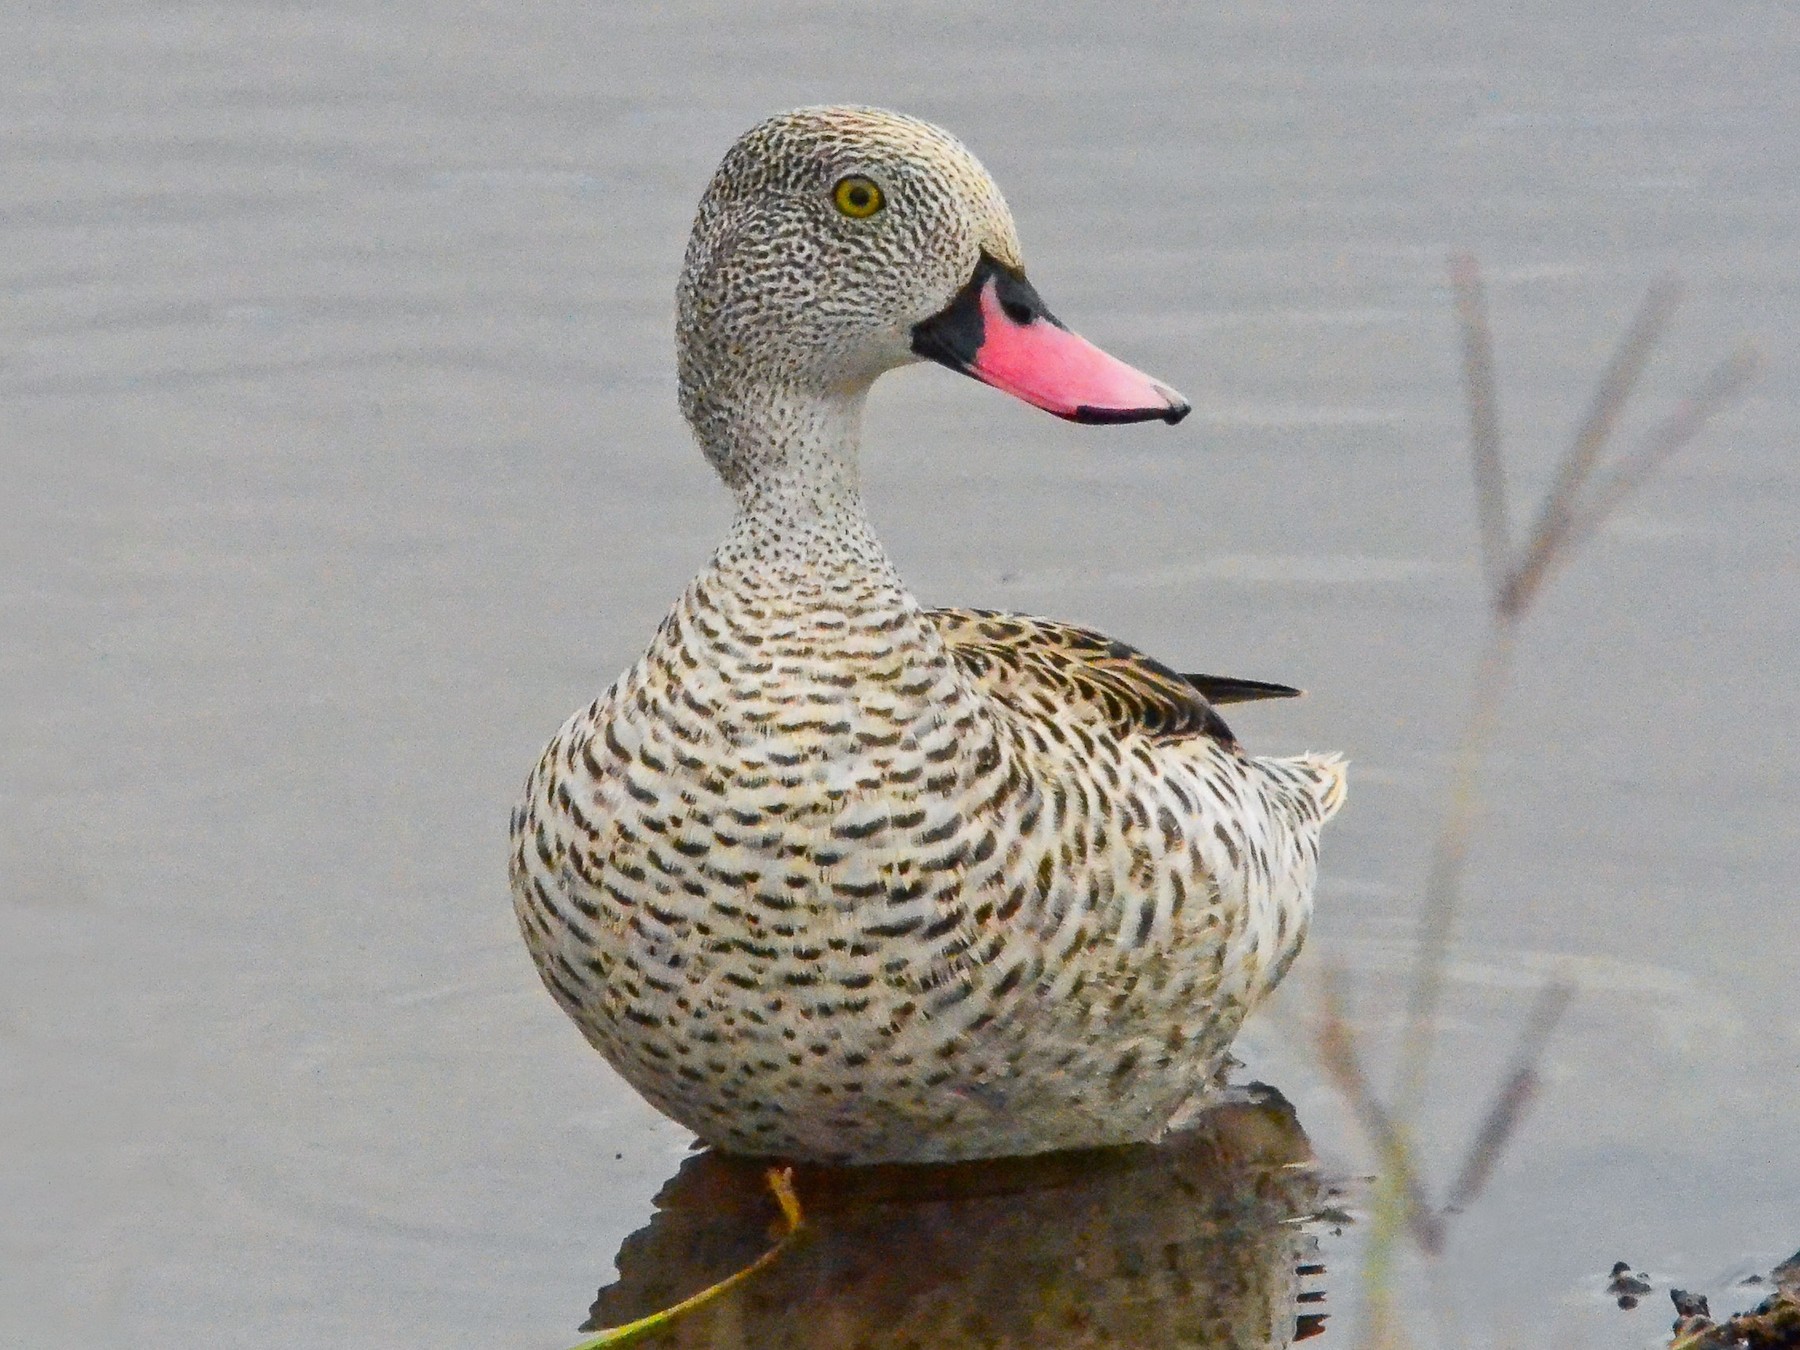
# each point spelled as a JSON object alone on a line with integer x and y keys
{"x": 791, "y": 459}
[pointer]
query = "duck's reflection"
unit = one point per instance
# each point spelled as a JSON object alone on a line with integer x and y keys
{"x": 1201, "y": 1240}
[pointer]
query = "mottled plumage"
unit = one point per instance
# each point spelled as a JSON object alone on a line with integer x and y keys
{"x": 829, "y": 875}
{"x": 1059, "y": 668}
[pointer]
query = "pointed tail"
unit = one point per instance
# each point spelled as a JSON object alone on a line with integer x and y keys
{"x": 1328, "y": 777}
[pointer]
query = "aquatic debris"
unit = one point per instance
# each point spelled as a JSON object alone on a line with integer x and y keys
{"x": 1626, "y": 1286}
{"x": 1773, "y": 1324}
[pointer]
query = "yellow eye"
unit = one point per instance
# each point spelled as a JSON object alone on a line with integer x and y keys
{"x": 857, "y": 197}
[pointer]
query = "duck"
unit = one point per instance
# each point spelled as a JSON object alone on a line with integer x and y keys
{"x": 830, "y": 875}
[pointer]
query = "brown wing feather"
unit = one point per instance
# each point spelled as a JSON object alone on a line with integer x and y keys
{"x": 1038, "y": 664}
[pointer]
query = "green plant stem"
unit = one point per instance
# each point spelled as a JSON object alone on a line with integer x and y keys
{"x": 1449, "y": 858}
{"x": 1437, "y": 921}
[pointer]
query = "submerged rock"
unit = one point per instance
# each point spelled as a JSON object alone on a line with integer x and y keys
{"x": 1774, "y": 1324}
{"x": 1626, "y": 1286}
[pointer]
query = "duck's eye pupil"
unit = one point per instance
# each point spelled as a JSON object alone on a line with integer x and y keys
{"x": 857, "y": 196}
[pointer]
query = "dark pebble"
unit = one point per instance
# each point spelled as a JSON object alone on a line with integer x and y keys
{"x": 1689, "y": 1305}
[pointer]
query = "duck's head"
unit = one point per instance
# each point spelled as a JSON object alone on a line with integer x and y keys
{"x": 837, "y": 243}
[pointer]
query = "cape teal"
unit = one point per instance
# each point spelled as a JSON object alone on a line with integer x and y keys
{"x": 830, "y": 875}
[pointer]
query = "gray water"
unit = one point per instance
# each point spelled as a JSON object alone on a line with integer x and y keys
{"x": 341, "y": 462}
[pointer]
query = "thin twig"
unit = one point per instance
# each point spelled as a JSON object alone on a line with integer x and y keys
{"x": 1571, "y": 511}
{"x": 1449, "y": 858}
{"x": 1564, "y": 522}
{"x": 1510, "y": 1103}
{"x": 1338, "y": 1053}
{"x": 1443, "y": 1307}
{"x": 1484, "y": 423}
{"x": 1726, "y": 382}
{"x": 1548, "y": 537}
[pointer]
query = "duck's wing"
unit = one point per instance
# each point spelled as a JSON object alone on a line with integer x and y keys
{"x": 1046, "y": 668}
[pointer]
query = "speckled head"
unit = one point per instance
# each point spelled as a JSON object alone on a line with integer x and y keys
{"x": 837, "y": 243}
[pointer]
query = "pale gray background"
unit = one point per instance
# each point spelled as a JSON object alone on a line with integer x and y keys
{"x": 339, "y": 462}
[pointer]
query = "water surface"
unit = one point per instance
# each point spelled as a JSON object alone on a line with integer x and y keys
{"x": 341, "y": 462}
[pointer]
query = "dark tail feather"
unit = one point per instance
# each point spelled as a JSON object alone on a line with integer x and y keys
{"x": 1224, "y": 689}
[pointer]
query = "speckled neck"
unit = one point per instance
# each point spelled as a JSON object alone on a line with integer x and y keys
{"x": 796, "y": 477}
